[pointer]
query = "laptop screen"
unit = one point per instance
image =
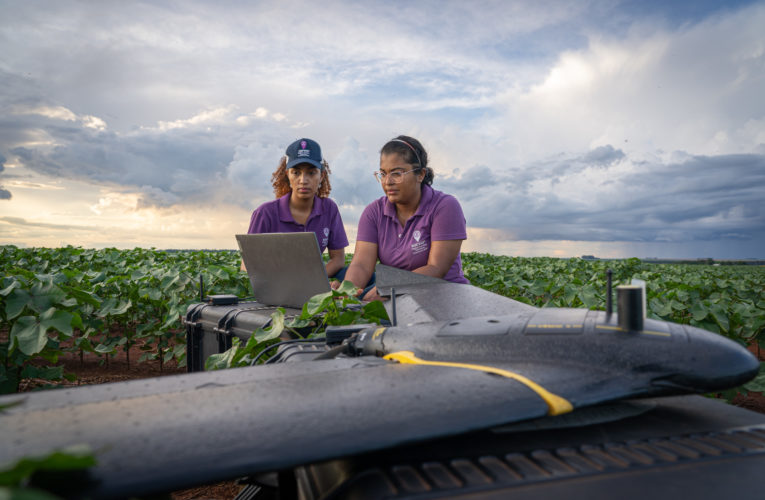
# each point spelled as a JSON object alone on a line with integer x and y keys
{"x": 285, "y": 269}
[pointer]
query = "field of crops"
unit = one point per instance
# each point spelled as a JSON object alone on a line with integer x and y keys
{"x": 98, "y": 302}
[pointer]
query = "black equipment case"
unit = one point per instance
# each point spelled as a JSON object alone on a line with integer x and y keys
{"x": 210, "y": 328}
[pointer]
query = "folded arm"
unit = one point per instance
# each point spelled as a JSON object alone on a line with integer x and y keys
{"x": 441, "y": 257}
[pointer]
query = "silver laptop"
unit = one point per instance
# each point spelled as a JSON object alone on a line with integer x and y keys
{"x": 285, "y": 269}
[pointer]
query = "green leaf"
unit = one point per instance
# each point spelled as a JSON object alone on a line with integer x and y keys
{"x": 659, "y": 308}
{"x": 43, "y": 372}
{"x": 569, "y": 294}
{"x": 375, "y": 311}
{"x": 82, "y": 296}
{"x": 14, "y": 284}
{"x": 222, "y": 360}
{"x": 105, "y": 349}
{"x": 84, "y": 344}
{"x": 58, "y": 320}
{"x": 168, "y": 281}
{"x": 589, "y": 297}
{"x": 347, "y": 288}
{"x": 298, "y": 322}
{"x": 41, "y": 297}
{"x": 29, "y": 335}
{"x": 318, "y": 303}
{"x": 113, "y": 307}
{"x": 698, "y": 311}
{"x": 170, "y": 322}
{"x": 122, "y": 308}
{"x": 758, "y": 383}
{"x": 77, "y": 321}
{"x": 168, "y": 355}
{"x": 273, "y": 331}
{"x": 70, "y": 458}
{"x": 720, "y": 316}
{"x": 677, "y": 306}
{"x": 538, "y": 288}
{"x": 347, "y": 317}
{"x": 16, "y": 302}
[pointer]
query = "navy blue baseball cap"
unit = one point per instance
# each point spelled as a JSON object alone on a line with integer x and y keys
{"x": 304, "y": 151}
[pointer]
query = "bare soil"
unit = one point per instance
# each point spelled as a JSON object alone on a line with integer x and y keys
{"x": 92, "y": 370}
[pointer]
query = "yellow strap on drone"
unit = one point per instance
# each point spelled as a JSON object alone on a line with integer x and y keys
{"x": 555, "y": 403}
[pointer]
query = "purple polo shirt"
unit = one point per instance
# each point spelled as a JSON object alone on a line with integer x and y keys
{"x": 439, "y": 217}
{"x": 275, "y": 217}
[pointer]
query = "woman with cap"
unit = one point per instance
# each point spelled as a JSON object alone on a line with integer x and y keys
{"x": 301, "y": 185}
{"x": 412, "y": 227}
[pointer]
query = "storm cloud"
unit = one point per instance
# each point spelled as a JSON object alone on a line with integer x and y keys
{"x": 692, "y": 198}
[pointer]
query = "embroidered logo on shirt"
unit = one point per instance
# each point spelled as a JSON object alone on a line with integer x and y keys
{"x": 326, "y": 231}
{"x": 419, "y": 246}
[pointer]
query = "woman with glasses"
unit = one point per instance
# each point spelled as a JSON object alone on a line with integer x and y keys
{"x": 301, "y": 185}
{"x": 412, "y": 227}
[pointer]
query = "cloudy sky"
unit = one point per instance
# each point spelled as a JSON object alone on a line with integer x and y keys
{"x": 613, "y": 128}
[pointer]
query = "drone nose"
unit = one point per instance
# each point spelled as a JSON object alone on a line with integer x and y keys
{"x": 717, "y": 363}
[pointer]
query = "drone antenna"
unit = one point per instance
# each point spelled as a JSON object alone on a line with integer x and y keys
{"x": 609, "y": 304}
{"x": 201, "y": 288}
{"x": 393, "y": 305}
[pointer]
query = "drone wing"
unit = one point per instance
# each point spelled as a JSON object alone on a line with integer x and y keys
{"x": 422, "y": 299}
{"x": 168, "y": 433}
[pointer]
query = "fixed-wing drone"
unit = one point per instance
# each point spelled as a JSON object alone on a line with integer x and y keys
{"x": 456, "y": 359}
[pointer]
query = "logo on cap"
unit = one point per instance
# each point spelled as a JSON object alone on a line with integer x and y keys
{"x": 304, "y": 151}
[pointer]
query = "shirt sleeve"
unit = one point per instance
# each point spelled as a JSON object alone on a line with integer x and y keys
{"x": 337, "y": 239}
{"x": 448, "y": 220}
{"x": 260, "y": 222}
{"x": 368, "y": 224}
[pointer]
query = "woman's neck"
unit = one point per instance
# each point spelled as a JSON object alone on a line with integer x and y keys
{"x": 300, "y": 208}
{"x": 405, "y": 211}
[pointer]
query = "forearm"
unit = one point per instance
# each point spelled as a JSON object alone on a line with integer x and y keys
{"x": 363, "y": 264}
{"x": 358, "y": 274}
{"x": 441, "y": 258}
{"x": 335, "y": 263}
{"x": 431, "y": 270}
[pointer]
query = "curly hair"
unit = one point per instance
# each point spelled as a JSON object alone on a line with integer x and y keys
{"x": 281, "y": 182}
{"x": 412, "y": 152}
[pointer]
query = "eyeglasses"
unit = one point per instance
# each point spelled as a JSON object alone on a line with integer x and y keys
{"x": 395, "y": 177}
